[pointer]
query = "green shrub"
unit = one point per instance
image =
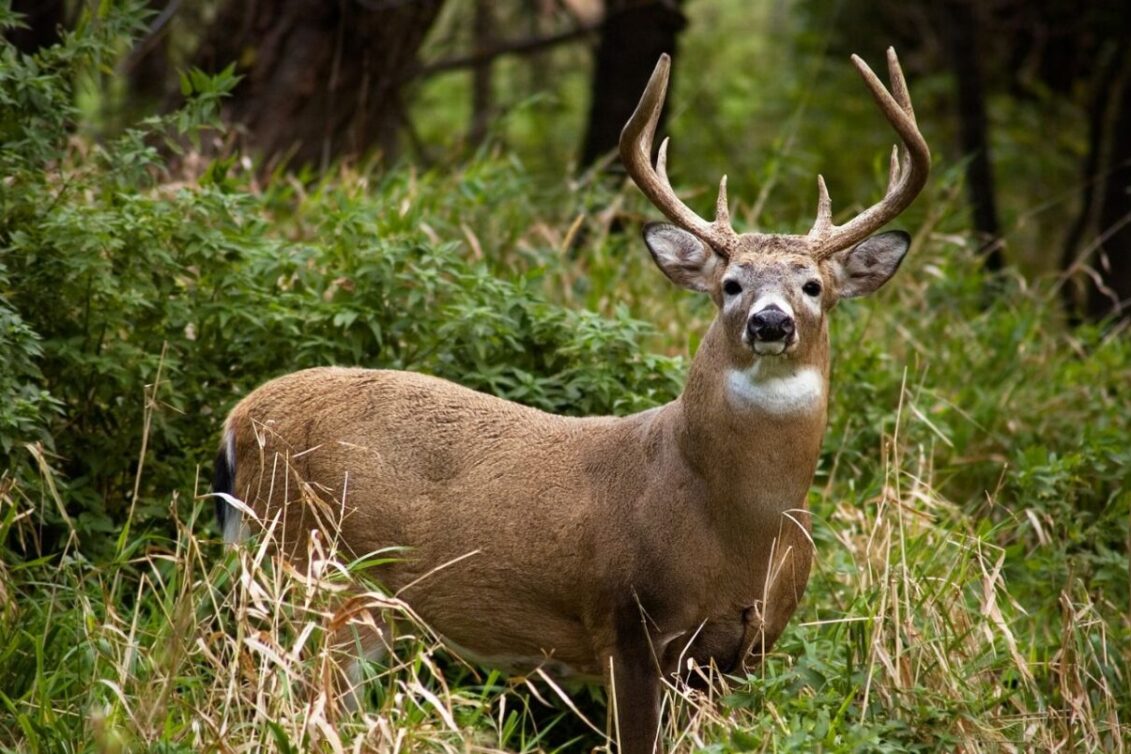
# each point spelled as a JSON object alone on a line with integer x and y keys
{"x": 122, "y": 297}
{"x": 971, "y": 508}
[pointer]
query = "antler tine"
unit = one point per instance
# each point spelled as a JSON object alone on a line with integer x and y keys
{"x": 895, "y": 167}
{"x": 899, "y": 84}
{"x": 908, "y": 172}
{"x": 636, "y": 154}
{"x": 722, "y": 209}
{"x": 824, "y": 207}
{"x": 662, "y": 161}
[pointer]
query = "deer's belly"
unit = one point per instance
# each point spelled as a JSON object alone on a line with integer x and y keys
{"x": 528, "y": 663}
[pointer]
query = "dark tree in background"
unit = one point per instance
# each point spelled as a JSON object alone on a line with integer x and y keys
{"x": 42, "y": 22}
{"x": 1071, "y": 47}
{"x": 1029, "y": 50}
{"x": 1109, "y": 289}
{"x": 633, "y": 36}
{"x": 327, "y": 79}
{"x": 323, "y": 79}
{"x": 961, "y": 34}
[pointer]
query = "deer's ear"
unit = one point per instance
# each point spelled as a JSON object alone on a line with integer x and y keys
{"x": 869, "y": 264}
{"x": 687, "y": 261}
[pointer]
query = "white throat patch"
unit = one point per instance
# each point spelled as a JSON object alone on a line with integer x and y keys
{"x": 775, "y": 391}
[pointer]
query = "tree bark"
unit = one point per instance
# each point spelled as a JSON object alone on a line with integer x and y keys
{"x": 43, "y": 19}
{"x": 633, "y": 36}
{"x": 1109, "y": 294}
{"x": 960, "y": 30}
{"x": 323, "y": 79}
{"x": 1106, "y": 81}
{"x": 483, "y": 32}
{"x": 147, "y": 67}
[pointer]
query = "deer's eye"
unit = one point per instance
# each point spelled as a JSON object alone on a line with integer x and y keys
{"x": 812, "y": 288}
{"x": 732, "y": 288}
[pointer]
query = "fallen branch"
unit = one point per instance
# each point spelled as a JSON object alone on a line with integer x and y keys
{"x": 515, "y": 47}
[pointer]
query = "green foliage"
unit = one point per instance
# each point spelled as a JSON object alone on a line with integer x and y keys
{"x": 24, "y": 405}
{"x": 971, "y": 509}
{"x": 110, "y": 282}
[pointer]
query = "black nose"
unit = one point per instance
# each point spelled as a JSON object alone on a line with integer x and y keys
{"x": 769, "y": 325}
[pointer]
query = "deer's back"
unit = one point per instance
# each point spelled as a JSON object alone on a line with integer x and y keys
{"x": 482, "y": 494}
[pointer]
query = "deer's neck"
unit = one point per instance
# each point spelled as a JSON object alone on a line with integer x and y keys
{"x": 753, "y": 432}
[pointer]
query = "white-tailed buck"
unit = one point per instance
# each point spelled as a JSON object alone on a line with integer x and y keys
{"x": 614, "y": 548}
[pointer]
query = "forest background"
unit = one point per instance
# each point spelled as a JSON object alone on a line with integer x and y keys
{"x": 195, "y": 197}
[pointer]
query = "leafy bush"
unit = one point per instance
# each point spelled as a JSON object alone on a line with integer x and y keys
{"x": 971, "y": 508}
{"x": 121, "y": 295}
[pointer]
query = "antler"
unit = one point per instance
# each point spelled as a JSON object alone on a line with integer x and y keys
{"x": 908, "y": 172}
{"x": 636, "y": 154}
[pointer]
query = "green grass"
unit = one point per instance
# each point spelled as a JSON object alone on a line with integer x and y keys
{"x": 971, "y": 588}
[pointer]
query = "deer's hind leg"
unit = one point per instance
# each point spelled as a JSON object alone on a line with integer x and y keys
{"x": 358, "y": 634}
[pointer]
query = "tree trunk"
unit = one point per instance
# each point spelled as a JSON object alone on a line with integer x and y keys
{"x": 960, "y": 30}
{"x": 147, "y": 66}
{"x": 43, "y": 20}
{"x": 1110, "y": 69}
{"x": 632, "y": 37}
{"x": 1109, "y": 294}
{"x": 323, "y": 79}
{"x": 483, "y": 32}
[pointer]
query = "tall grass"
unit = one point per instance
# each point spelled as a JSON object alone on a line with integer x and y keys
{"x": 930, "y": 622}
{"x": 971, "y": 589}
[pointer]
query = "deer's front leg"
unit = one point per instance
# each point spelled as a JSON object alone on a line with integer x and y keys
{"x": 632, "y": 684}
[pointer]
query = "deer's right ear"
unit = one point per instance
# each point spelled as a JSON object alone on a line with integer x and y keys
{"x": 687, "y": 261}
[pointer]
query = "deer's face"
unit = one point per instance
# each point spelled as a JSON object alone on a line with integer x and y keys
{"x": 772, "y": 293}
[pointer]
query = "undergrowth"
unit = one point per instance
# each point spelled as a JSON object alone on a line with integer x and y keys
{"x": 971, "y": 585}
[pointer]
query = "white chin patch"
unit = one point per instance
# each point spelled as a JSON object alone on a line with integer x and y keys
{"x": 777, "y": 348}
{"x": 776, "y": 391}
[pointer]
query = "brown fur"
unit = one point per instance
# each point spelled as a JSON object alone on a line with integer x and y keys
{"x": 614, "y": 548}
{"x": 594, "y": 539}
{"x": 572, "y": 519}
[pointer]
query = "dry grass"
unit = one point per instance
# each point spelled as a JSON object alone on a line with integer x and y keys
{"x": 922, "y": 628}
{"x": 180, "y": 644}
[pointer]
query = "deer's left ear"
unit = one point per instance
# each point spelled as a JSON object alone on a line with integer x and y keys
{"x": 869, "y": 264}
{"x": 685, "y": 259}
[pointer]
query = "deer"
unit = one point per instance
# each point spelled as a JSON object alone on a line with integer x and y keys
{"x": 624, "y": 550}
